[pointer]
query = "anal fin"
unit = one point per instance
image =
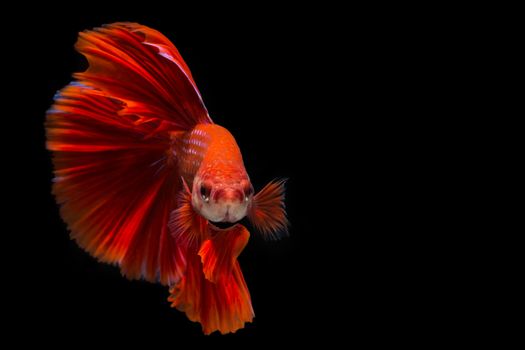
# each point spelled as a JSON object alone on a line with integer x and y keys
{"x": 219, "y": 253}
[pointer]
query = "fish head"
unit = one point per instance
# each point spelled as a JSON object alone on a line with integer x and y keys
{"x": 222, "y": 200}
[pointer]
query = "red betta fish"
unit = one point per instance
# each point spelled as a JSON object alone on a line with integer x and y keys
{"x": 142, "y": 174}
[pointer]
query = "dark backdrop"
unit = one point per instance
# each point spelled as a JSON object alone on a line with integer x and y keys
{"x": 317, "y": 96}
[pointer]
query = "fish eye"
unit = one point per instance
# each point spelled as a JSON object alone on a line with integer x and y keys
{"x": 247, "y": 193}
{"x": 205, "y": 192}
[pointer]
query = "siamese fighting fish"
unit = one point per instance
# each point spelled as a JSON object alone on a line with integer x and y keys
{"x": 145, "y": 180}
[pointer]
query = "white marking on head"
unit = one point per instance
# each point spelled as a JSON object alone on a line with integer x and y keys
{"x": 221, "y": 202}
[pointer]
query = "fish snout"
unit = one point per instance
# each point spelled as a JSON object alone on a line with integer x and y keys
{"x": 222, "y": 202}
{"x": 228, "y": 195}
{"x": 232, "y": 204}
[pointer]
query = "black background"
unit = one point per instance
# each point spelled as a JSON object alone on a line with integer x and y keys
{"x": 319, "y": 96}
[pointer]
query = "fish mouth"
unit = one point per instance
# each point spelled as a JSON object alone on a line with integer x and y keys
{"x": 222, "y": 225}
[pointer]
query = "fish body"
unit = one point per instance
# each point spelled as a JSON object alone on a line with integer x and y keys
{"x": 211, "y": 164}
{"x": 143, "y": 176}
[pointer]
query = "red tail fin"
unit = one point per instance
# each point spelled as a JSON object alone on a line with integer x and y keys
{"x": 115, "y": 176}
